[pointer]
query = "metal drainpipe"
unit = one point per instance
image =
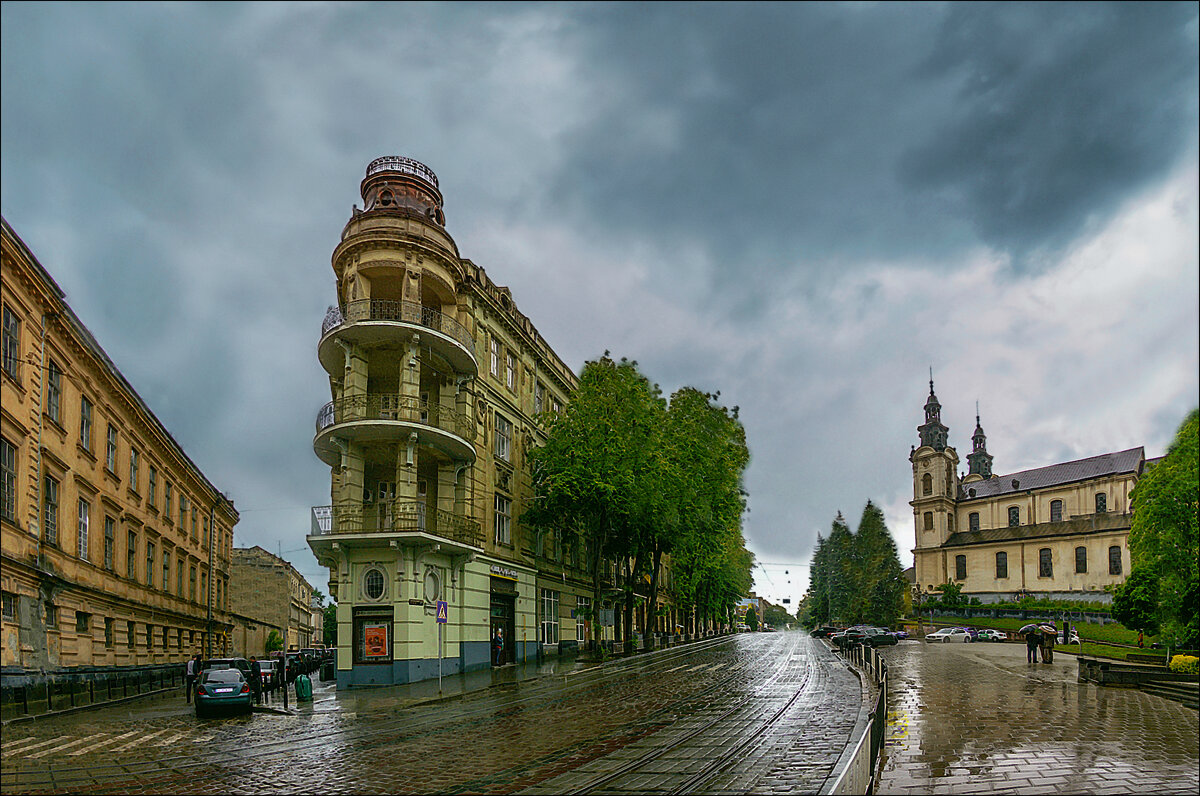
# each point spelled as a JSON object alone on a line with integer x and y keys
{"x": 41, "y": 423}
{"x": 211, "y": 524}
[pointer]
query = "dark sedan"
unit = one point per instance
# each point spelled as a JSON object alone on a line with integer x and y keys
{"x": 221, "y": 690}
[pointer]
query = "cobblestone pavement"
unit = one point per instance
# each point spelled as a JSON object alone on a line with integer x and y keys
{"x": 684, "y": 706}
{"x": 973, "y": 718}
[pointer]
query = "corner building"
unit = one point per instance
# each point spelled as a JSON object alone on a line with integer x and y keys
{"x": 1059, "y": 532}
{"x": 436, "y": 379}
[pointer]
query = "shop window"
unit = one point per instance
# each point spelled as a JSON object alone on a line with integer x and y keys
{"x": 1080, "y": 559}
{"x": 1055, "y": 511}
{"x": 549, "y": 616}
{"x": 1114, "y": 560}
{"x": 960, "y": 567}
{"x": 1001, "y": 565}
{"x": 1014, "y": 516}
{"x": 973, "y": 521}
{"x": 1045, "y": 563}
{"x": 1101, "y": 503}
{"x": 372, "y": 637}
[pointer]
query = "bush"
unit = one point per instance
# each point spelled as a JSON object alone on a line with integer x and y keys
{"x": 1185, "y": 664}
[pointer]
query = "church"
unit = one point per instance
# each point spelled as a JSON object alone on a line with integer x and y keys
{"x": 1058, "y": 532}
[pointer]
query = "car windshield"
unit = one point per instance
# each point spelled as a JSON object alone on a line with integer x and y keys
{"x": 222, "y": 676}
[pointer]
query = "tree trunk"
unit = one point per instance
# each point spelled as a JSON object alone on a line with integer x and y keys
{"x": 652, "y": 606}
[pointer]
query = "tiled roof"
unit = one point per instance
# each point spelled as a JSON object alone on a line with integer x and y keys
{"x": 1041, "y": 530}
{"x": 1129, "y": 461}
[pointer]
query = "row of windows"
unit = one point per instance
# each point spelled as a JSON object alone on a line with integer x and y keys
{"x": 1045, "y": 563}
{"x": 550, "y": 621}
{"x": 511, "y": 376}
{"x": 1014, "y": 514}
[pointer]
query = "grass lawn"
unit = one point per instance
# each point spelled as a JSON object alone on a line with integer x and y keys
{"x": 1093, "y": 636}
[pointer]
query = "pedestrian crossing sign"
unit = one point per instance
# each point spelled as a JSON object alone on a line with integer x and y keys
{"x": 443, "y": 611}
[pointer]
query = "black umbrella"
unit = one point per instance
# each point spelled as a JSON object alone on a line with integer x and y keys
{"x": 1033, "y": 628}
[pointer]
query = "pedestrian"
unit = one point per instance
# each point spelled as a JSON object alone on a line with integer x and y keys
{"x": 256, "y": 679}
{"x": 1033, "y": 639}
{"x": 498, "y": 647}
{"x": 1139, "y": 639}
{"x": 191, "y": 677}
{"x": 1048, "y": 647}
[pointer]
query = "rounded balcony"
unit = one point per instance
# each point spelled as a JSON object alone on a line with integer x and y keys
{"x": 395, "y": 517}
{"x": 371, "y": 321}
{"x": 392, "y": 418}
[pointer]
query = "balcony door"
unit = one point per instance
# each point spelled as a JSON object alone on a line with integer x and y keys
{"x": 385, "y": 505}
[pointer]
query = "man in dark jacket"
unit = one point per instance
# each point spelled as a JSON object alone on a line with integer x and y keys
{"x": 256, "y": 682}
{"x": 1033, "y": 640}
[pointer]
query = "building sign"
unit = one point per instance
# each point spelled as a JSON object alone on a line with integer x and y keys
{"x": 503, "y": 572}
{"x": 375, "y": 641}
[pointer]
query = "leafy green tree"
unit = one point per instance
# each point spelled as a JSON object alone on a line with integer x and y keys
{"x": 880, "y": 577}
{"x": 1163, "y": 535}
{"x": 1135, "y": 602}
{"x": 951, "y": 598}
{"x": 329, "y": 630}
{"x": 274, "y": 641}
{"x": 751, "y": 619}
{"x": 776, "y": 616}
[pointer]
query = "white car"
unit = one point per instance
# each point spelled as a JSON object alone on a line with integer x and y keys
{"x": 949, "y": 634}
{"x": 989, "y": 634}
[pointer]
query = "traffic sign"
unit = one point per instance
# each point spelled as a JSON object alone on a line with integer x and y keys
{"x": 443, "y": 611}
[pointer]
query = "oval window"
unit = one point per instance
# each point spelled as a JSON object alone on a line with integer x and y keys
{"x": 373, "y": 584}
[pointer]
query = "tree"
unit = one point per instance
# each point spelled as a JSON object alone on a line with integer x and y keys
{"x": 1135, "y": 602}
{"x": 1163, "y": 536}
{"x": 951, "y": 598}
{"x": 775, "y": 616}
{"x": 274, "y": 641}
{"x": 751, "y": 619}
{"x": 880, "y": 579}
{"x": 329, "y": 629}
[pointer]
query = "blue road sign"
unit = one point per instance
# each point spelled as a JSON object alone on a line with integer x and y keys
{"x": 443, "y": 611}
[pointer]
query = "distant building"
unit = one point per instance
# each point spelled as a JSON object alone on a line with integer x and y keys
{"x": 272, "y": 594}
{"x": 105, "y": 523}
{"x": 1060, "y": 531}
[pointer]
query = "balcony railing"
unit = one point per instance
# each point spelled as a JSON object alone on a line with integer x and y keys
{"x": 395, "y": 516}
{"x": 400, "y": 312}
{"x": 382, "y": 406}
{"x": 403, "y": 165}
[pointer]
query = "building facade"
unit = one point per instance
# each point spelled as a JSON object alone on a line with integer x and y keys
{"x": 1060, "y": 531}
{"x": 436, "y": 381}
{"x": 114, "y": 544}
{"x": 270, "y": 591}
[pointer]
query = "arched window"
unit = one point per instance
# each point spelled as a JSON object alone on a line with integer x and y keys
{"x": 1055, "y": 511}
{"x": 1101, "y": 503}
{"x": 1045, "y": 563}
{"x": 973, "y": 521}
{"x": 950, "y": 521}
{"x": 1001, "y": 565}
{"x": 1014, "y": 516}
{"x": 960, "y": 567}
{"x": 927, "y": 484}
{"x": 1081, "y": 559}
{"x": 1114, "y": 560}
{"x": 929, "y": 520}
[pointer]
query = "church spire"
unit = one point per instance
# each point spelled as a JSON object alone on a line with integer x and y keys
{"x": 933, "y": 433}
{"x": 980, "y": 460}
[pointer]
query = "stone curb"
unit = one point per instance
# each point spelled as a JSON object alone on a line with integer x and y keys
{"x": 80, "y": 708}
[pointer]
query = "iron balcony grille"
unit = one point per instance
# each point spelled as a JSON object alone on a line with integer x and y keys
{"x": 403, "y": 165}
{"x": 395, "y": 516}
{"x": 400, "y": 312}
{"x": 386, "y": 406}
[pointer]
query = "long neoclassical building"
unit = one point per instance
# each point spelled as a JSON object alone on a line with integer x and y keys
{"x": 1058, "y": 531}
{"x": 437, "y": 381}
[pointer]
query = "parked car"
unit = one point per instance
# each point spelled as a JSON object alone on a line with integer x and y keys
{"x": 949, "y": 634}
{"x": 880, "y": 637}
{"x": 270, "y": 672}
{"x": 972, "y": 632}
{"x": 823, "y": 632}
{"x": 991, "y": 634}
{"x": 838, "y": 639}
{"x": 222, "y": 689}
{"x": 900, "y": 634}
{"x": 241, "y": 664}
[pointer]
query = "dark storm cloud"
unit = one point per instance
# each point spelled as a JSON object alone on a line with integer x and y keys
{"x": 805, "y": 133}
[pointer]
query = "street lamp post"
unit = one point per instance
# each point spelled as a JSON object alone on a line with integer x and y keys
{"x": 918, "y": 596}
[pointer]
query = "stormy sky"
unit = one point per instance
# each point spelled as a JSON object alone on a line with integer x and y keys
{"x": 804, "y": 206}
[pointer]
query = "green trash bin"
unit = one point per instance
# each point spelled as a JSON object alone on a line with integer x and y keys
{"x": 303, "y": 688}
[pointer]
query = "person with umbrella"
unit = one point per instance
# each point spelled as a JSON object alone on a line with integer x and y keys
{"x": 1033, "y": 639}
{"x": 1049, "y": 634}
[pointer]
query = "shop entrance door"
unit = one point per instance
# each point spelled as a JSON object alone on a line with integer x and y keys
{"x": 503, "y": 618}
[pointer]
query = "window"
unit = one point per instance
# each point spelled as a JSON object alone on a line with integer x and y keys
{"x": 503, "y": 520}
{"x": 973, "y": 521}
{"x": 84, "y": 512}
{"x": 929, "y": 520}
{"x": 203, "y": 587}
{"x": 1101, "y": 503}
{"x": 195, "y": 533}
{"x": 151, "y": 486}
{"x": 1001, "y": 565}
{"x": 495, "y": 351}
{"x": 8, "y": 480}
{"x": 539, "y": 396}
{"x": 179, "y": 568}
{"x": 8, "y": 605}
{"x": 927, "y": 484}
{"x": 82, "y": 621}
{"x": 110, "y": 449}
{"x": 166, "y": 581}
{"x": 51, "y": 616}
{"x": 1080, "y": 559}
{"x": 549, "y": 616}
{"x": 503, "y": 438}
{"x": 950, "y": 521}
{"x": 1114, "y": 560}
{"x": 149, "y": 636}
{"x": 192, "y": 584}
{"x": 12, "y": 343}
{"x": 110, "y": 542}
{"x": 150, "y": 560}
{"x": 131, "y": 556}
{"x": 109, "y": 629}
{"x": 50, "y": 510}
{"x": 960, "y": 567}
{"x": 54, "y": 393}
{"x": 510, "y": 371}
{"x": 85, "y": 423}
{"x": 1014, "y": 516}
{"x": 130, "y": 634}
{"x": 372, "y": 636}
{"x": 1055, "y": 511}
{"x": 167, "y": 500}
{"x": 133, "y": 469}
{"x": 1045, "y": 563}
{"x": 373, "y": 584}
{"x": 582, "y": 607}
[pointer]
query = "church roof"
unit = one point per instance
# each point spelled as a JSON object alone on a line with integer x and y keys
{"x": 1128, "y": 461}
{"x": 1072, "y": 527}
